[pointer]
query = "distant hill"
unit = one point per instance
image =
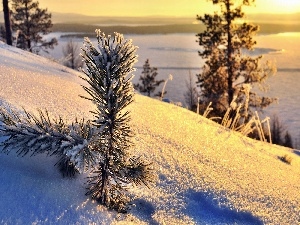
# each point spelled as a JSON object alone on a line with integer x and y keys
{"x": 71, "y": 22}
{"x": 104, "y": 20}
{"x": 275, "y": 18}
{"x": 82, "y": 30}
{"x": 161, "y": 20}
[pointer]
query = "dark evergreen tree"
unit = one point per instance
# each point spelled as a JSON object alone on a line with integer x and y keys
{"x": 72, "y": 58}
{"x": 148, "y": 80}
{"x": 8, "y": 33}
{"x": 288, "y": 141}
{"x": 226, "y": 69}
{"x": 2, "y": 34}
{"x": 279, "y": 133}
{"x": 191, "y": 95}
{"x": 31, "y": 22}
{"x": 277, "y": 130}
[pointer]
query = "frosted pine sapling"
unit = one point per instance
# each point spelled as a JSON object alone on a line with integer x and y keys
{"x": 100, "y": 146}
{"x": 110, "y": 88}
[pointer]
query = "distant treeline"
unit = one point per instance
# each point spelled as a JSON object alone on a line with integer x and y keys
{"x": 145, "y": 29}
{"x": 268, "y": 28}
{"x": 85, "y": 30}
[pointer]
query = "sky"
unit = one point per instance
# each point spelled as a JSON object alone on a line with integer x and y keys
{"x": 159, "y": 7}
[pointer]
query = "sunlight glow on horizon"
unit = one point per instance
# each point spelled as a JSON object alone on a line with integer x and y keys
{"x": 183, "y": 8}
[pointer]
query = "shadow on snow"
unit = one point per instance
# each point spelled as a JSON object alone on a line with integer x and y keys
{"x": 204, "y": 207}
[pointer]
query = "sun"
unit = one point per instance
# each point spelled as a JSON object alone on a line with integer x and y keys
{"x": 287, "y": 6}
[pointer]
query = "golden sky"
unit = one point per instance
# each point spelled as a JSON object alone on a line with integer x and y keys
{"x": 159, "y": 7}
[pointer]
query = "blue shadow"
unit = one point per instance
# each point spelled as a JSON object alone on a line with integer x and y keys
{"x": 143, "y": 210}
{"x": 202, "y": 206}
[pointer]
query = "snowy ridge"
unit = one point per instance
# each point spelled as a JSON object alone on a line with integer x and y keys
{"x": 205, "y": 174}
{"x": 36, "y": 82}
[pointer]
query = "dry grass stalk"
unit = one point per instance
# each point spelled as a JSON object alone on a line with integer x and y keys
{"x": 237, "y": 122}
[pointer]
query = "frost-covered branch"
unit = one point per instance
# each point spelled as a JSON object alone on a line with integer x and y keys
{"x": 28, "y": 134}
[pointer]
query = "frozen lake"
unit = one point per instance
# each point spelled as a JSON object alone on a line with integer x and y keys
{"x": 177, "y": 54}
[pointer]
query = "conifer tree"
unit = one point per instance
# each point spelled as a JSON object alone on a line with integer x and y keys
{"x": 277, "y": 130}
{"x": 8, "y": 33}
{"x": 148, "y": 79}
{"x": 288, "y": 141}
{"x": 31, "y": 22}
{"x": 109, "y": 77}
{"x": 2, "y": 34}
{"x": 226, "y": 68}
{"x": 191, "y": 95}
{"x": 279, "y": 133}
{"x": 101, "y": 146}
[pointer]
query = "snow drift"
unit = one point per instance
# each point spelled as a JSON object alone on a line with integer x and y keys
{"x": 205, "y": 173}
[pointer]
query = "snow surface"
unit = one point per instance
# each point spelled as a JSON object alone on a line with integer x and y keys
{"x": 205, "y": 174}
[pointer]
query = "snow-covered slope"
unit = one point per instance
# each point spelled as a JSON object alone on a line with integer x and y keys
{"x": 205, "y": 174}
